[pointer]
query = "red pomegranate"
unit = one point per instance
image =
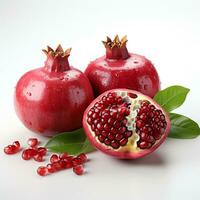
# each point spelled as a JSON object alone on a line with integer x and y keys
{"x": 125, "y": 123}
{"x": 121, "y": 69}
{"x": 53, "y": 98}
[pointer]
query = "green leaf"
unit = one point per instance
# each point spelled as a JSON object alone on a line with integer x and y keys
{"x": 183, "y": 127}
{"x": 171, "y": 97}
{"x": 74, "y": 143}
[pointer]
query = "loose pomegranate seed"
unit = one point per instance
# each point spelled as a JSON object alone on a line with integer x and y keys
{"x": 17, "y": 144}
{"x": 62, "y": 164}
{"x": 79, "y": 170}
{"x": 83, "y": 157}
{"x": 63, "y": 155}
{"x": 26, "y": 154}
{"x": 32, "y": 142}
{"x": 10, "y": 149}
{"x": 54, "y": 158}
{"x": 38, "y": 158}
{"x": 32, "y": 152}
{"x": 42, "y": 171}
{"x": 51, "y": 168}
{"x": 68, "y": 164}
{"x": 42, "y": 151}
{"x": 76, "y": 161}
{"x": 57, "y": 165}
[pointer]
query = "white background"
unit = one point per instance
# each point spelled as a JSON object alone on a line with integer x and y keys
{"x": 167, "y": 32}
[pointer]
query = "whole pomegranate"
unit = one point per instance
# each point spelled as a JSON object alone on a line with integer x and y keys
{"x": 125, "y": 123}
{"x": 53, "y": 98}
{"x": 121, "y": 69}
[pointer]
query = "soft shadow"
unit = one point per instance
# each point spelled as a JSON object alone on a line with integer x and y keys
{"x": 153, "y": 160}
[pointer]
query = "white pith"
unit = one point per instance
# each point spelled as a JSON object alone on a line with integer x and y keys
{"x": 131, "y": 145}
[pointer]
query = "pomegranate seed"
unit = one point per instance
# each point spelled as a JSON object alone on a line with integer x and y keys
{"x": 10, "y": 149}
{"x": 38, "y": 158}
{"x": 76, "y": 161}
{"x": 32, "y": 142}
{"x": 79, "y": 170}
{"x": 156, "y": 135}
{"x": 123, "y": 141}
{"x": 51, "y": 168}
{"x": 54, "y": 158}
{"x": 139, "y": 124}
{"x": 115, "y": 144}
{"x": 68, "y": 159}
{"x": 64, "y": 155}
{"x": 132, "y": 95}
{"x": 99, "y": 127}
{"x": 17, "y": 144}
{"x": 144, "y": 145}
{"x": 101, "y": 138}
{"x": 83, "y": 157}
{"x": 32, "y": 152}
{"x": 111, "y": 136}
{"x": 57, "y": 165}
{"x": 42, "y": 151}
{"x": 42, "y": 171}
{"x": 62, "y": 164}
{"x": 122, "y": 129}
{"x": 26, "y": 154}
{"x": 128, "y": 134}
{"x": 118, "y": 137}
{"x": 68, "y": 164}
{"x": 107, "y": 141}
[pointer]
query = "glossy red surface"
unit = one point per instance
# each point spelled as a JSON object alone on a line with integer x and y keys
{"x": 49, "y": 102}
{"x": 135, "y": 72}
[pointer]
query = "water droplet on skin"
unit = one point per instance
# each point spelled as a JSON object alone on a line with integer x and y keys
{"x": 29, "y": 93}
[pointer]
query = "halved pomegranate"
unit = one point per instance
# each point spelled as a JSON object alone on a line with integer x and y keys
{"x": 125, "y": 123}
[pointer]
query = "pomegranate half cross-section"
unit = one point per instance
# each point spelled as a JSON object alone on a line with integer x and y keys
{"x": 125, "y": 123}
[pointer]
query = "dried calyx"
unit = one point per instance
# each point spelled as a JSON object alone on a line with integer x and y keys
{"x": 57, "y": 60}
{"x": 116, "y": 49}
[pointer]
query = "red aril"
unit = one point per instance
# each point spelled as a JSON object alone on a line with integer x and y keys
{"x": 32, "y": 142}
{"x": 78, "y": 169}
{"x": 17, "y": 144}
{"x": 138, "y": 126}
{"x": 54, "y": 158}
{"x": 82, "y": 157}
{"x": 38, "y": 158}
{"x": 52, "y": 99}
{"x": 42, "y": 171}
{"x": 121, "y": 69}
{"x": 12, "y": 149}
{"x": 42, "y": 151}
{"x": 27, "y": 154}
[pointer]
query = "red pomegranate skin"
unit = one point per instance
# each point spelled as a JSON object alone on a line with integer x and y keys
{"x": 49, "y": 101}
{"x": 120, "y": 69}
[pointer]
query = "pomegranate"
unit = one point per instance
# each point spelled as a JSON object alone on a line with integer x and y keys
{"x": 125, "y": 123}
{"x": 52, "y": 99}
{"x": 121, "y": 69}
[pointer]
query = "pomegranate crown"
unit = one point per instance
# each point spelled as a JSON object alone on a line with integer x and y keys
{"x": 57, "y": 60}
{"x": 116, "y": 42}
{"x": 116, "y": 48}
{"x": 58, "y": 52}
